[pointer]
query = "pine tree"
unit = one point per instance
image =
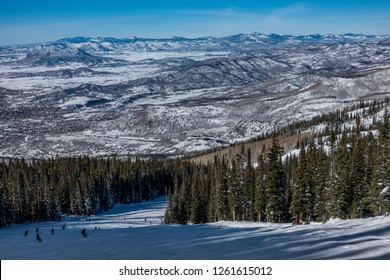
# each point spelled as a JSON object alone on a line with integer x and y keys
{"x": 300, "y": 192}
{"x": 196, "y": 203}
{"x": 359, "y": 179}
{"x": 213, "y": 197}
{"x": 261, "y": 200}
{"x": 275, "y": 187}
{"x": 235, "y": 192}
{"x": 168, "y": 219}
{"x": 249, "y": 189}
{"x": 313, "y": 180}
{"x": 178, "y": 208}
{"x": 380, "y": 187}
{"x": 223, "y": 191}
{"x": 321, "y": 165}
{"x": 290, "y": 164}
{"x": 339, "y": 180}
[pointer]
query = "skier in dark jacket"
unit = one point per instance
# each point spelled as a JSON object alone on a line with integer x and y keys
{"x": 84, "y": 233}
{"x": 38, "y": 237}
{"x": 26, "y": 233}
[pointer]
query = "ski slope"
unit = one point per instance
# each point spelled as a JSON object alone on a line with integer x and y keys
{"x": 135, "y": 231}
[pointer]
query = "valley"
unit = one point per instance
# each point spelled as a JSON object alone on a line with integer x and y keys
{"x": 178, "y": 96}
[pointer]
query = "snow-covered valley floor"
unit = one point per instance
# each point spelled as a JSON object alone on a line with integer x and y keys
{"x": 135, "y": 232}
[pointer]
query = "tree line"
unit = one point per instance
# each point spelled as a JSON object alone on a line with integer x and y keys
{"x": 46, "y": 189}
{"x": 342, "y": 174}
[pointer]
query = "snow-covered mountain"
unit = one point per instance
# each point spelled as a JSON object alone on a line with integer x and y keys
{"x": 238, "y": 43}
{"x": 135, "y": 96}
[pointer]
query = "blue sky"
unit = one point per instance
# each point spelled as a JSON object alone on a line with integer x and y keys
{"x": 29, "y": 21}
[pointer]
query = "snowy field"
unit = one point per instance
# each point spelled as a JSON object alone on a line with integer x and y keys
{"x": 135, "y": 232}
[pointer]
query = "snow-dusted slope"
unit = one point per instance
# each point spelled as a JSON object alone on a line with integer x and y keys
{"x": 135, "y": 232}
{"x": 105, "y": 96}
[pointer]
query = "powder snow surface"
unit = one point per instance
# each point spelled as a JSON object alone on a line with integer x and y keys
{"x": 135, "y": 231}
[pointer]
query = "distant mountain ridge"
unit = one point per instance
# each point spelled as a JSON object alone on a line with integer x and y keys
{"x": 240, "y": 42}
{"x": 254, "y": 36}
{"x": 232, "y": 40}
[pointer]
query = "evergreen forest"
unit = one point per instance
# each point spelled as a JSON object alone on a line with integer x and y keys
{"x": 342, "y": 172}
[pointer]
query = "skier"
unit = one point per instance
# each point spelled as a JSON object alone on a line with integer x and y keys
{"x": 84, "y": 233}
{"x": 26, "y": 233}
{"x": 38, "y": 237}
{"x": 63, "y": 227}
{"x": 52, "y": 231}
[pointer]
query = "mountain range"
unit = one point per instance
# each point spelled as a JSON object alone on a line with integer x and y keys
{"x": 136, "y": 96}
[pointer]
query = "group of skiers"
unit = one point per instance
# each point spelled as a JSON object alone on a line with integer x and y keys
{"x": 39, "y": 239}
{"x": 83, "y": 232}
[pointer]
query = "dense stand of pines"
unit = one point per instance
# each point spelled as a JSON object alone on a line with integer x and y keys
{"x": 342, "y": 172}
{"x": 41, "y": 190}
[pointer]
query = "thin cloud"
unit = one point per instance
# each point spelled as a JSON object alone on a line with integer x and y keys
{"x": 288, "y": 19}
{"x": 290, "y": 10}
{"x": 216, "y": 12}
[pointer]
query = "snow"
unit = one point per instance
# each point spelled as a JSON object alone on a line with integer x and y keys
{"x": 136, "y": 56}
{"x": 294, "y": 152}
{"x": 81, "y": 100}
{"x": 135, "y": 231}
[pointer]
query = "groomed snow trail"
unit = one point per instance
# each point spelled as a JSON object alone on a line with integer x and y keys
{"x": 135, "y": 231}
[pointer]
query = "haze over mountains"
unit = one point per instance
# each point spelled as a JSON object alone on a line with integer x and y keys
{"x": 134, "y": 96}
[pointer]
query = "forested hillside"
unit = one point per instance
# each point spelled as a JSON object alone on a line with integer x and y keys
{"x": 335, "y": 165}
{"x": 341, "y": 171}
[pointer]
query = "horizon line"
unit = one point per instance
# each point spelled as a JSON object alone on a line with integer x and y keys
{"x": 194, "y": 38}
